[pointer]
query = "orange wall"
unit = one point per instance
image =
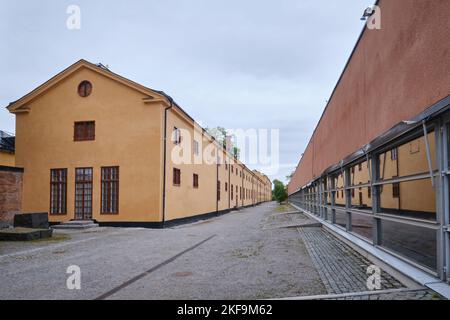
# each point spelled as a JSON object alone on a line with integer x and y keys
{"x": 394, "y": 74}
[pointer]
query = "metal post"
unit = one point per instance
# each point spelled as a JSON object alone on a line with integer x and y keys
{"x": 374, "y": 174}
{"x": 442, "y": 198}
{"x": 333, "y": 200}
{"x": 348, "y": 199}
{"x": 427, "y": 146}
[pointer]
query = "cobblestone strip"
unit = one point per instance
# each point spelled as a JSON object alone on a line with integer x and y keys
{"x": 342, "y": 269}
{"x": 421, "y": 294}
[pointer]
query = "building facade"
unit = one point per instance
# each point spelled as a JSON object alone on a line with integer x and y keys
{"x": 95, "y": 145}
{"x": 377, "y": 164}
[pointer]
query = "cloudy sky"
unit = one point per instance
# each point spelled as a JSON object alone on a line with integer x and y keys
{"x": 236, "y": 64}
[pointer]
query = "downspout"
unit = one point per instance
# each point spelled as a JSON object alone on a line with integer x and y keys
{"x": 229, "y": 186}
{"x": 217, "y": 185}
{"x": 243, "y": 191}
{"x": 165, "y": 156}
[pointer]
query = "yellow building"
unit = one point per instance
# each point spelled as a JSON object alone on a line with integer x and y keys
{"x": 400, "y": 162}
{"x": 95, "y": 145}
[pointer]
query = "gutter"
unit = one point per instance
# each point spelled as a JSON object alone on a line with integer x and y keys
{"x": 165, "y": 156}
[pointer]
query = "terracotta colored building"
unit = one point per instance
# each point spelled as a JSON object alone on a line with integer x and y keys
{"x": 95, "y": 145}
{"x": 377, "y": 163}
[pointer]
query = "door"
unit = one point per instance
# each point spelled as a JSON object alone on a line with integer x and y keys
{"x": 83, "y": 193}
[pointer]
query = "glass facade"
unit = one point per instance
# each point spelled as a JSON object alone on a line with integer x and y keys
{"x": 391, "y": 197}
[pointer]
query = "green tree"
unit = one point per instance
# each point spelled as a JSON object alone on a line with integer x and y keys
{"x": 279, "y": 191}
{"x": 220, "y": 134}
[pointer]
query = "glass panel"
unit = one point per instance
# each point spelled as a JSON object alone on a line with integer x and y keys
{"x": 340, "y": 198}
{"x": 341, "y": 218}
{"x": 414, "y": 199}
{"x": 407, "y": 159}
{"x": 359, "y": 174}
{"x": 361, "y": 198}
{"x": 413, "y": 242}
{"x": 363, "y": 225}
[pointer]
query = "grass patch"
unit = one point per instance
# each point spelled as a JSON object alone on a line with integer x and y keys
{"x": 435, "y": 296}
{"x": 284, "y": 207}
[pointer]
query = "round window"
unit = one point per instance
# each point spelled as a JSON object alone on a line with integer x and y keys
{"x": 84, "y": 88}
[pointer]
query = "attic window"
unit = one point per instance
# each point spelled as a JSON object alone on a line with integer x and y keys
{"x": 84, "y": 88}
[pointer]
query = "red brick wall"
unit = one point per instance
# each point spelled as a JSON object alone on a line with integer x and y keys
{"x": 394, "y": 74}
{"x": 10, "y": 194}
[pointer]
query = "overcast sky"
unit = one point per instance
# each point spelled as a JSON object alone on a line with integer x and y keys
{"x": 237, "y": 64}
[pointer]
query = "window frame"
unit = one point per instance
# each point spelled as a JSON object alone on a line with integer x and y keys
{"x": 195, "y": 180}
{"x": 176, "y": 177}
{"x": 117, "y": 181}
{"x": 84, "y": 136}
{"x": 176, "y": 138}
{"x": 64, "y": 184}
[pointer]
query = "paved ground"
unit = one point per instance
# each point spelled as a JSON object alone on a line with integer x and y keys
{"x": 341, "y": 268}
{"x": 255, "y": 253}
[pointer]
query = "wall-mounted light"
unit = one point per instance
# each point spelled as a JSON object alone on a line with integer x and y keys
{"x": 367, "y": 13}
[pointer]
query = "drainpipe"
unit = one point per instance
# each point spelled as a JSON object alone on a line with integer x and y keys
{"x": 165, "y": 156}
{"x": 217, "y": 185}
{"x": 229, "y": 186}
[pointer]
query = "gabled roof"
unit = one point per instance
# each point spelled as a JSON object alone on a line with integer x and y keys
{"x": 20, "y": 105}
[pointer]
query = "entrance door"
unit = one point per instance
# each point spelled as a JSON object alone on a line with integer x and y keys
{"x": 83, "y": 193}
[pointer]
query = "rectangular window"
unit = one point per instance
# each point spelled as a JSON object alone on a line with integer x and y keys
{"x": 176, "y": 176}
{"x": 232, "y": 191}
{"x": 176, "y": 135}
{"x": 58, "y": 191}
{"x": 218, "y": 190}
{"x": 83, "y": 193}
{"x": 226, "y": 186}
{"x": 196, "y": 148}
{"x": 394, "y": 154}
{"x": 195, "y": 180}
{"x": 110, "y": 190}
{"x": 84, "y": 131}
{"x": 396, "y": 190}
